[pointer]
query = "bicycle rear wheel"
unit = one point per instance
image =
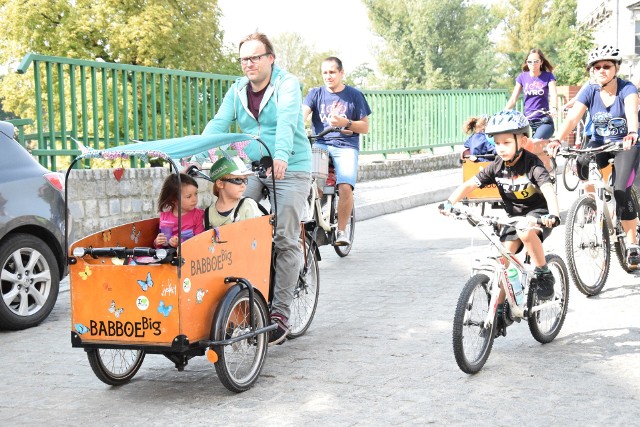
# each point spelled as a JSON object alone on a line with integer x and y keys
{"x": 570, "y": 174}
{"x": 350, "y": 230}
{"x": 619, "y": 244}
{"x": 546, "y": 323}
{"x": 587, "y": 246}
{"x": 472, "y": 342}
{"x": 306, "y": 293}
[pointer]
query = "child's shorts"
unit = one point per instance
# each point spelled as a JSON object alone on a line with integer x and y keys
{"x": 509, "y": 233}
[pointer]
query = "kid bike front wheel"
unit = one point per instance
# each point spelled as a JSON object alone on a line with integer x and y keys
{"x": 545, "y": 324}
{"x": 587, "y": 246}
{"x": 472, "y": 341}
{"x": 619, "y": 244}
{"x": 305, "y": 295}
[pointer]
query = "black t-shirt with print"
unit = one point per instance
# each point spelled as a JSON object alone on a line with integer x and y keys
{"x": 519, "y": 185}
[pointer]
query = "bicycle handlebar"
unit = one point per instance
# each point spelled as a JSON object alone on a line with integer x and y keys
{"x": 607, "y": 147}
{"x": 119, "y": 252}
{"x": 493, "y": 221}
{"x": 329, "y": 130}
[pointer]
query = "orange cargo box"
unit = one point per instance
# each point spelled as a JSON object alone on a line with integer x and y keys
{"x": 486, "y": 194}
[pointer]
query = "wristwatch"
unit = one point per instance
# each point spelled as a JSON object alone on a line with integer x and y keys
{"x": 348, "y": 124}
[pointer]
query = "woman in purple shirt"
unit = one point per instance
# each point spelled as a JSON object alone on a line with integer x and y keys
{"x": 538, "y": 84}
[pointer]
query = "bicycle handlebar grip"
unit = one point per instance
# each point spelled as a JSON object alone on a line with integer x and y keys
{"x": 556, "y": 220}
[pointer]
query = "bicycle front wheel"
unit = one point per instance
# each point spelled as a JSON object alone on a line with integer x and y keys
{"x": 115, "y": 366}
{"x": 306, "y": 293}
{"x": 619, "y": 245}
{"x": 239, "y": 364}
{"x": 546, "y": 323}
{"x": 350, "y": 230}
{"x": 472, "y": 341}
{"x": 587, "y": 246}
{"x": 570, "y": 174}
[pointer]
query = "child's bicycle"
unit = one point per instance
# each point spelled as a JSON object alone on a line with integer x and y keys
{"x": 591, "y": 224}
{"x": 323, "y": 205}
{"x": 476, "y": 317}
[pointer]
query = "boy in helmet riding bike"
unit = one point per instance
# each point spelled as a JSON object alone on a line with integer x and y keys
{"x": 526, "y": 190}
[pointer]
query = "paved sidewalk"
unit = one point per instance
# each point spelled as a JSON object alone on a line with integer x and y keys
{"x": 381, "y": 197}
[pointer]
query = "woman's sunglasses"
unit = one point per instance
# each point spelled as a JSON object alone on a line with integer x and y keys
{"x": 236, "y": 181}
{"x": 603, "y": 67}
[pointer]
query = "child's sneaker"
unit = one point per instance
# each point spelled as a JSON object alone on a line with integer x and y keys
{"x": 633, "y": 254}
{"x": 544, "y": 281}
{"x": 279, "y": 335}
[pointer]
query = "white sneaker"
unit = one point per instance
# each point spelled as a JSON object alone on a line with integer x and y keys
{"x": 342, "y": 239}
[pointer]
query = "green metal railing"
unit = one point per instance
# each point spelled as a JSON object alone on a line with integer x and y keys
{"x": 105, "y": 104}
{"x": 413, "y": 121}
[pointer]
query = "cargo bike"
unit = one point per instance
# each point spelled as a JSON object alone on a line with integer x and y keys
{"x": 209, "y": 296}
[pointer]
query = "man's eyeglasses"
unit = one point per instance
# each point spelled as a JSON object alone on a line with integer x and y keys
{"x": 603, "y": 67}
{"x": 236, "y": 181}
{"x": 535, "y": 61}
{"x": 252, "y": 59}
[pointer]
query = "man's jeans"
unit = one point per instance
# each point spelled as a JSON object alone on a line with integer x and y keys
{"x": 291, "y": 198}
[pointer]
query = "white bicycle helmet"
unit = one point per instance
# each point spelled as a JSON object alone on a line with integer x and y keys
{"x": 508, "y": 121}
{"x": 604, "y": 53}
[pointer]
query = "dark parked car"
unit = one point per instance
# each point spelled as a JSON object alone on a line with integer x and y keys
{"x": 32, "y": 258}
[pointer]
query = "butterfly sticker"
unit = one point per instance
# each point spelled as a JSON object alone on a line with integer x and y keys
{"x": 134, "y": 235}
{"x": 114, "y": 310}
{"x": 86, "y": 273}
{"x": 146, "y": 284}
{"x": 164, "y": 310}
{"x": 106, "y": 235}
{"x": 81, "y": 329}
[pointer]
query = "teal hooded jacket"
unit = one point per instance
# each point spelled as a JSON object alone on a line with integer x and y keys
{"x": 280, "y": 122}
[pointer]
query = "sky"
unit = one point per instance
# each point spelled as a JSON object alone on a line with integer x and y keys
{"x": 340, "y": 27}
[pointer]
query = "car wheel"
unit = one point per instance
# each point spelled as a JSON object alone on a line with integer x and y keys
{"x": 29, "y": 281}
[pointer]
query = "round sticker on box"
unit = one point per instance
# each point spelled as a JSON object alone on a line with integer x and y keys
{"x": 186, "y": 285}
{"x": 142, "y": 302}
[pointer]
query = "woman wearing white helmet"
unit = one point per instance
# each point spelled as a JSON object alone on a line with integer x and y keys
{"x": 613, "y": 106}
{"x": 526, "y": 190}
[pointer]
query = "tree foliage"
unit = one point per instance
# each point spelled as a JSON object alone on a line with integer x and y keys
{"x": 300, "y": 58}
{"x": 432, "y": 44}
{"x": 179, "y": 34}
{"x": 551, "y": 26}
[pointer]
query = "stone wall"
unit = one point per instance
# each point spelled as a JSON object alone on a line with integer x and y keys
{"x": 98, "y": 200}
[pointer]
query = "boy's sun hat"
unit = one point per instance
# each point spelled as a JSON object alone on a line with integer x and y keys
{"x": 228, "y": 166}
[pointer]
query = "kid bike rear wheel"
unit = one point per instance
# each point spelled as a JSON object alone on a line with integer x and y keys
{"x": 546, "y": 323}
{"x": 472, "y": 342}
{"x": 587, "y": 246}
{"x": 619, "y": 245}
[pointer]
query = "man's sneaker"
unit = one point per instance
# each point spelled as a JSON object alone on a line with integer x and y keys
{"x": 544, "y": 281}
{"x": 342, "y": 239}
{"x": 633, "y": 254}
{"x": 279, "y": 335}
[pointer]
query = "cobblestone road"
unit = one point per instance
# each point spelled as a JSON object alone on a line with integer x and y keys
{"x": 378, "y": 353}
